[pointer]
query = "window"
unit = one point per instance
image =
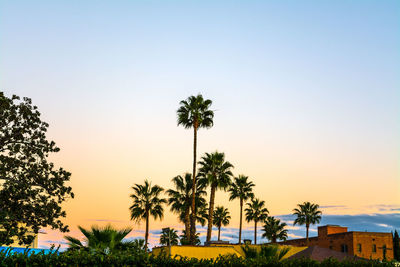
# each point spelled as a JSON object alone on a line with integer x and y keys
{"x": 374, "y": 248}
{"x": 344, "y": 248}
{"x": 359, "y": 247}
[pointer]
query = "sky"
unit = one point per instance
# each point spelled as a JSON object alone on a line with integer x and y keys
{"x": 305, "y": 94}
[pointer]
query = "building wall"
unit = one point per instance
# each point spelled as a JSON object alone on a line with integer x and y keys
{"x": 367, "y": 240}
{"x": 335, "y": 237}
{"x": 212, "y": 252}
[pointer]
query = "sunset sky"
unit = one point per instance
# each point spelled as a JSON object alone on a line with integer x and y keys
{"x": 305, "y": 93}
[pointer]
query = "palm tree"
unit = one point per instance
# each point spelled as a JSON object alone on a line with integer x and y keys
{"x": 307, "y": 213}
{"x": 221, "y": 218}
{"x": 274, "y": 229}
{"x": 146, "y": 203}
{"x": 266, "y": 253}
{"x": 194, "y": 112}
{"x": 106, "y": 239}
{"x": 257, "y": 212}
{"x": 169, "y": 236}
{"x": 241, "y": 188}
{"x": 216, "y": 172}
{"x": 180, "y": 199}
{"x": 185, "y": 241}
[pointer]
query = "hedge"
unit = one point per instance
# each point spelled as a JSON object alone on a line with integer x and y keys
{"x": 140, "y": 258}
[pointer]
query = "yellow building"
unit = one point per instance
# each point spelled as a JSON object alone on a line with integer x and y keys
{"x": 213, "y": 251}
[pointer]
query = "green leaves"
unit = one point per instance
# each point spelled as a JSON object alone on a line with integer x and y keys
{"x": 274, "y": 229}
{"x": 32, "y": 189}
{"x": 194, "y": 112}
{"x": 307, "y": 213}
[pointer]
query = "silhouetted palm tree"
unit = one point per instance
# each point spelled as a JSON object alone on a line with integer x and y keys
{"x": 274, "y": 229}
{"x": 106, "y": 239}
{"x": 215, "y": 172}
{"x": 307, "y": 214}
{"x": 169, "y": 236}
{"x": 194, "y": 112}
{"x": 257, "y": 212}
{"x": 221, "y": 218}
{"x": 147, "y": 202}
{"x": 180, "y": 199}
{"x": 242, "y": 189}
{"x": 185, "y": 241}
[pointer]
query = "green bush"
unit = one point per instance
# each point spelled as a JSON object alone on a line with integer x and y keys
{"x": 84, "y": 258}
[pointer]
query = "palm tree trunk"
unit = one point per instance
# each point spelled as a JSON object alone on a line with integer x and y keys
{"x": 193, "y": 216}
{"x": 146, "y": 235}
{"x": 210, "y": 213}
{"x": 307, "y": 241}
{"x": 187, "y": 222}
{"x": 219, "y": 233}
{"x": 240, "y": 222}
{"x": 255, "y": 232}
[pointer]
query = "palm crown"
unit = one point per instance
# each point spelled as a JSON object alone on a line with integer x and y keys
{"x": 274, "y": 229}
{"x": 307, "y": 214}
{"x": 147, "y": 202}
{"x": 195, "y": 112}
{"x": 242, "y": 189}
{"x": 106, "y": 239}
{"x": 256, "y": 212}
{"x": 221, "y": 218}
{"x": 216, "y": 172}
{"x": 169, "y": 236}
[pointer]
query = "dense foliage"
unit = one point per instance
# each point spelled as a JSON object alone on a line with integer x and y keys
{"x": 32, "y": 188}
{"x": 396, "y": 245}
{"x": 137, "y": 257}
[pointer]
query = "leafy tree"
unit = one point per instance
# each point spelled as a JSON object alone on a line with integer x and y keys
{"x": 396, "y": 246}
{"x": 221, "y": 218}
{"x": 307, "y": 214}
{"x": 32, "y": 189}
{"x": 180, "y": 199}
{"x": 184, "y": 241}
{"x": 215, "y": 172}
{"x": 256, "y": 212}
{"x": 242, "y": 189}
{"x": 274, "y": 229}
{"x": 104, "y": 239}
{"x": 194, "y": 112}
{"x": 147, "y": 202}
{"x": 168, "y": 237}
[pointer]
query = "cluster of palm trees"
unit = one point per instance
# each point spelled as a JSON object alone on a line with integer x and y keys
{"x": 187, "y": 199}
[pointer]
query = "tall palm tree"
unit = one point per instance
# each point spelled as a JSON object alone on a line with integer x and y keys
{"x": 242, "y": 189}
{"x": 180, "y": 199}
{"x": 307, "y": 214}
{"x": 106, "y": 239}
{"x": 194, "y": 112}
{"x": 147, "y": 202}
{"x": 221, "y": 218}
{"x": 169, "y": 236}
{"x": 274, "y": 229}
{"x": 257, "y": 212}
{"x": 215, "y": 172}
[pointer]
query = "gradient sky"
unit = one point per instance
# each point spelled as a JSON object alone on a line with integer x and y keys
{"x": 305, "y": 93}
